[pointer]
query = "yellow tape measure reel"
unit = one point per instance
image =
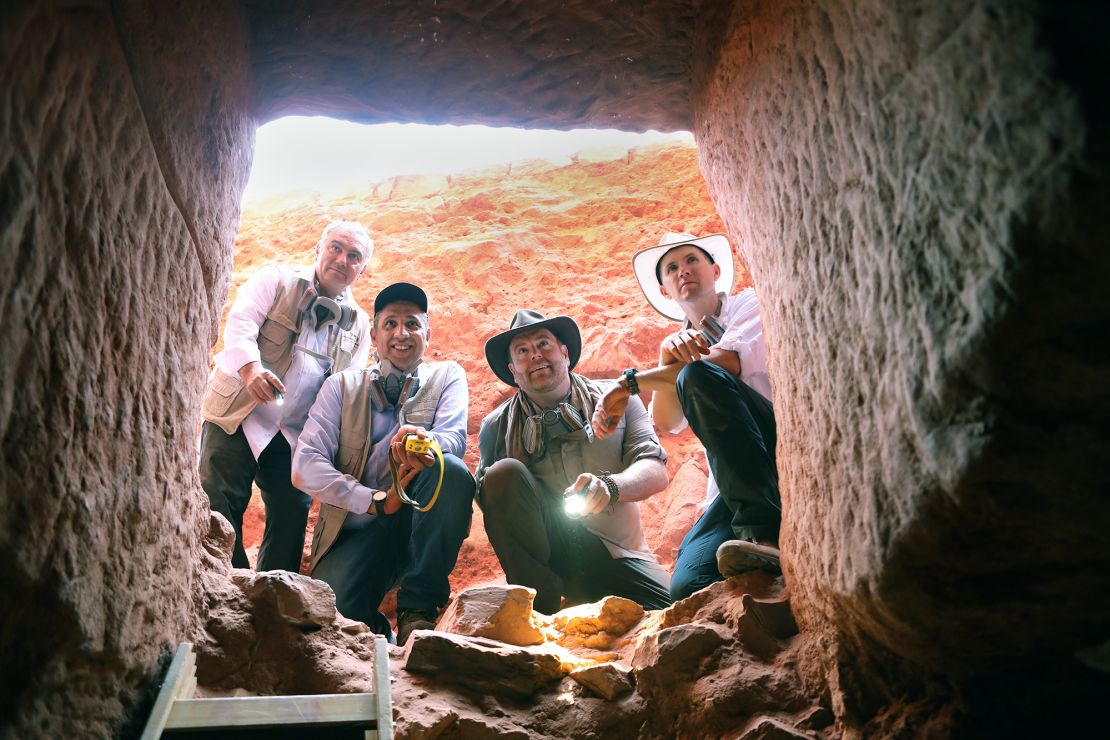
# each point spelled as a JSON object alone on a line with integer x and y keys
{"x": 418, "y": 446}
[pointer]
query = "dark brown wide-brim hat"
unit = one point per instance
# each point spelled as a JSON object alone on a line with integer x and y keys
{"x": 563, "y": 327}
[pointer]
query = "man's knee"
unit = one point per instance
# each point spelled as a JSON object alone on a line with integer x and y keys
{"x": 698, "y": 377}
{"x": 505, "y": 481}
{"x": 457, "y": 489}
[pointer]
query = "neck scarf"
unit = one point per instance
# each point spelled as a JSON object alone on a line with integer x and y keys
{"x": 524, "y": 429}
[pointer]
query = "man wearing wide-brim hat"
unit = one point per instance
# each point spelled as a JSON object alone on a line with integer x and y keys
{"x": 712, "y": 376}
{"x": 561, "y": 507}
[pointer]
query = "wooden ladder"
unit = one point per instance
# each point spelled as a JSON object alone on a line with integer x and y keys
{"x": 176, "y": 709}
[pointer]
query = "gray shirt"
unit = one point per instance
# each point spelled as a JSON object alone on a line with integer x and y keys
{"x": 564, "y": 458}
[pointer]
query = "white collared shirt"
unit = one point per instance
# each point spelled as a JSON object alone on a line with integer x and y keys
{"x": 305, "y": 375}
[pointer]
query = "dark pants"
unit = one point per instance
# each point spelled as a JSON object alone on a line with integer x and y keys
{"x": 417, "y": 550}
{"x": 539, "y": 546}
{"x": 227, "y": 470}
{"x": 736, "y": 426}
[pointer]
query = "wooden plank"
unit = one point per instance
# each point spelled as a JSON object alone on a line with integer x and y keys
{"x": 180, "y": 670}
{"x": 272, "y": 711}
{"x": 383, "y": 690}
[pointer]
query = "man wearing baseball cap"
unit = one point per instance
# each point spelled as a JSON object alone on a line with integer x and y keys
{"x": 712, "y": 376}
{"x": 561, "y": 507}
{"x": 353, "y": 456}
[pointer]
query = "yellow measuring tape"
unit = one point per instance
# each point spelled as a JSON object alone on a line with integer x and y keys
{"x": 418, "y": 446}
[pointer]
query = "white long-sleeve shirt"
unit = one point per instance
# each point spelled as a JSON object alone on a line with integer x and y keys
{"x": 306, "y": 373}
{"x": 313, "y": 460}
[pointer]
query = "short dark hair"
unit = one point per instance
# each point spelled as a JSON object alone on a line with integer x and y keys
{"x": 659, "y": 264}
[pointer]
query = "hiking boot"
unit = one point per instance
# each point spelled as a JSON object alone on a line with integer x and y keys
{"x": 740, "y": 556}
{"x": 413, "y": 619}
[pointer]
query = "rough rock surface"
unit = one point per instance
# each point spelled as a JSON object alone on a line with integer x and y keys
{"x": 124, "y": 141}
{"x": 481, "y": 664}
{"x": 609, "y": 680}
{"x": 502, "y": 613}
{"x": 919, "y": 189}
{"x": 913, "y": 188}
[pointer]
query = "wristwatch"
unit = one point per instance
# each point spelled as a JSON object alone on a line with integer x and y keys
{"x": 630, "y": 379}
{"x": 377, "y": 502}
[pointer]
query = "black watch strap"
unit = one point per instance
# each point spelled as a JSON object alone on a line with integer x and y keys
{"x": 633, "y": 384}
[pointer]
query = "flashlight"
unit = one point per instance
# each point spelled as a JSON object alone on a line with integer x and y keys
{"x": 279, "y": 397}
{"x": 574, "y": 504}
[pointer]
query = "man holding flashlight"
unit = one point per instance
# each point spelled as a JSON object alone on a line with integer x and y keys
{"x": 286, "y": 331}
{"x": 712, "y": 376}
{"x": 560, "y": 506}
{"x": 391, "y": 512}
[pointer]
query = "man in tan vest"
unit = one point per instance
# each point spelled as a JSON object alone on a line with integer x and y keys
{"x": 287, "y": 330}
{"x": 352, "y": 457}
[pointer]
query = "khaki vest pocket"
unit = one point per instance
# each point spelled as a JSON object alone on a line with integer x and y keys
{"x": 274, "y": 342}
{"x": 347, "y": 459}
{"x": 222, "y": 389}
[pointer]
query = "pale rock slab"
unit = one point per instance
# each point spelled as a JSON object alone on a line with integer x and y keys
{"x": 598, "y": 625}
{"x": 502, "y": 613}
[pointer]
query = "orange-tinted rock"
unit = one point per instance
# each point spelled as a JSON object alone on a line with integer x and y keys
{"x": 502, "y": 613}
{"x": 608, "y": 680}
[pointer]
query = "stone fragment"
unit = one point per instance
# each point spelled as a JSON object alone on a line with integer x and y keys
{"x": 221, "y": 538}
{"x": 597, "y": 625}
{"x": 481, "y": 664}
{"x": 766, "y": 728}
{"x": 671, "y": 655}
{"x": 817, "y": 719}
{"x": 497, "y": 612}
{"x": 608, "y": 680}
{"x": 298, "y": 600}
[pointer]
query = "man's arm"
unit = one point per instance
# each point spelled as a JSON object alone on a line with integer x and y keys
{"x": 314, "y": 470}
{"x": 240, "y": 354}
{"x": 666, "y": 410}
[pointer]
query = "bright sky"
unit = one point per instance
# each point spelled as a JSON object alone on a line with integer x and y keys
{"x": 331, "y": 156}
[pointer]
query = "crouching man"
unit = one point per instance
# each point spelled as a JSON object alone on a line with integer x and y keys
{"x": 712, "y": 376}
{"x": 561, "y": 507}
{"x": 353, "y": 456}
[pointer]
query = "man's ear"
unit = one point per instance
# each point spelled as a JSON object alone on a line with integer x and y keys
{"x": 663, "y": 291}
{"x": 716, "y": 271}
{"x": 373, "y": 330}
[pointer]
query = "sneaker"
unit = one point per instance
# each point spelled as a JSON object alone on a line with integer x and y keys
{"x": 740, "y": 556}
{"x": 413, "y": 619}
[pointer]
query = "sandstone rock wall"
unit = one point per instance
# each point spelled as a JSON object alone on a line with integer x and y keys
{"x": 615, "y": 64}
{"x": 123, "y": 148}
{"x": 915, "y": 188}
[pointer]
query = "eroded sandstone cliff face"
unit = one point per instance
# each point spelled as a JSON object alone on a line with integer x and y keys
{"x": 911, "y": 186}
{"x": 917, "y": 189}
{"x": 125, "y": 140}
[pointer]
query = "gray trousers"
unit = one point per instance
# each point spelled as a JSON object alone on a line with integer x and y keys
{"x": 227, "y": 470}
{"x": 539, "y": 546}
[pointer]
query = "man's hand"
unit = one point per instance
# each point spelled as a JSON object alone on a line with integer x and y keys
{"x": 402, "y": 456}
{"x": 684, "y": 346}
{"x": 260, "y": 382}
{"x": 609, "y": 410}
{"x": 595, "y": 490}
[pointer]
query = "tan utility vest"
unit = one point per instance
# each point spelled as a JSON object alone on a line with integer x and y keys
{"x": 355, "y": 433}
{"x": 226, "y": 399}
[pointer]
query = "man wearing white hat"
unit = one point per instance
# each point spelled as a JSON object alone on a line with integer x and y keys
{"x": 712, "y": 376}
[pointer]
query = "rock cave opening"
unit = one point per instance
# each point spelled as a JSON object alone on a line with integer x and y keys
{"x": 917, "y": 188}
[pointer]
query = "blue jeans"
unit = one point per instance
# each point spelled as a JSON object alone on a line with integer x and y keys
{"x": 736, "y": 426}
{"x": 417, "y": 550}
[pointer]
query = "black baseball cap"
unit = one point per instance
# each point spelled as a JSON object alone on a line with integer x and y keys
{"x": 401, "y": 292}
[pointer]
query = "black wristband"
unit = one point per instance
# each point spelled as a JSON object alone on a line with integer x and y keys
{"x": 633, "y": 384}
{"x": 614, "y": 491}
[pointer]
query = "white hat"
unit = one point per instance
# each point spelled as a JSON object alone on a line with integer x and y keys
{"x": 645, "y": 264}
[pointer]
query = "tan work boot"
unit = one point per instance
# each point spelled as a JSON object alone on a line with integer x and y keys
{"x": 740, "y": 556}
